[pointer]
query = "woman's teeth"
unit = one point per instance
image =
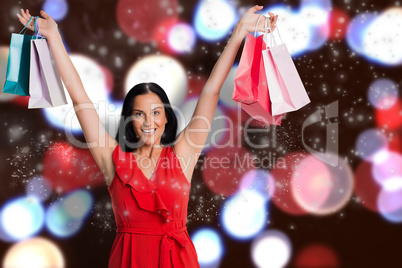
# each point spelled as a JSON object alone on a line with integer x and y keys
{"x": 148, "y": 131}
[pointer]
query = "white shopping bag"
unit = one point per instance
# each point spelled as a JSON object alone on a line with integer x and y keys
{"x": 286, "y": 90}
{"x": 45, "y": 86}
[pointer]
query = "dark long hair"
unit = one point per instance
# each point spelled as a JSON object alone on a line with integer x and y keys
{"x": 126, "y": 122}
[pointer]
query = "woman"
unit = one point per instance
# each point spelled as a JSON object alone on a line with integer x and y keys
{"x": 142, "y": 166}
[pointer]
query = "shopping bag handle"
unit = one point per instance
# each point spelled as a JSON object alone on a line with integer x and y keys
{"x": 268, "y": 26}
{"x": 25, "y": 27}
{"x": 36, "y": 27}
{"x": 256, "y": 26}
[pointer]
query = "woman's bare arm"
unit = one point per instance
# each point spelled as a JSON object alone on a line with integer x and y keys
{"x": 100, "y": 143}
{"x": 68, "y": 73}
{"x": 192, "y": 138}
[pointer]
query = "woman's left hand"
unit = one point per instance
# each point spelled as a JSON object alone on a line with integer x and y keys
{"x": 47, "y": 26}
{"x": 249, "y": 20}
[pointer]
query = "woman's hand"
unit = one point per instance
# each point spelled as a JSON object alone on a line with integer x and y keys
{"x": 249, "y": 20}
{"x": 47, "y": 26}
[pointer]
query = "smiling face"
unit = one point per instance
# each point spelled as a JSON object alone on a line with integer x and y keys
{"x": 149, "y": 118}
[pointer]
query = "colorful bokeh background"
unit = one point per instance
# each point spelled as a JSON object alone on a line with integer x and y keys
{"x": 323, "y": 189}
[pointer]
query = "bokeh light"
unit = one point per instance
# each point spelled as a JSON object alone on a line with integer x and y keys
{"x": 57, "y": 9}
{"x": 316, "y": 255}
{"x": 22, "y": 217}
{"x": 3, "y": 71}
{"x": 391, "y": 118}
{"x": 39, "y": 188}
{"x": 390, "y": 203}
{"x": 213, "y": 20}
{"x": 387, "y": 166}
{"x": 271, "y": 249}
{"x": 322, "y": 188}
{"x": 37, "y": 252}
{"x": 78, "y": 204}
{"x": 383, "y": 93}
{"x": 369, "y": 142}
{"x": 68, "y": 168}
{"x": 161, "y": 34}
{"x": 59, "y": 221}
{"x": 140, "y": 19}
{"x": 260, "y": 181}
{"x": 181, "y": 38}
{"x": 244, "y": 215}
{"x": 209, "y": 246}
{"x": 339, "y": 21}
{"x": 381, "y": 42}
{"x": 163, "y": 70}
{"x": 357, "y": 29}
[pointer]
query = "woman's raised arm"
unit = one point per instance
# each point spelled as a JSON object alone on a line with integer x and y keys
{"x": 100, "y": 143}
{"x": 192, "y": 138}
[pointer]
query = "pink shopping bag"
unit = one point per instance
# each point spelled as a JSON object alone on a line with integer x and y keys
{"x": 250, "y": 85}
{"x": 286, "y": 90}
{"x": 45, "y": 86}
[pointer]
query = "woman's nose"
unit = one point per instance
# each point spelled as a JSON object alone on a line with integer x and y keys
{"x": 147, "y": 121}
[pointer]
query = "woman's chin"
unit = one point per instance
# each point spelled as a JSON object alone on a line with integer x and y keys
{"x": 148, "y": 140}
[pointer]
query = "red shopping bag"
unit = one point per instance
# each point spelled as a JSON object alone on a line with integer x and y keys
{"x": 250, "y": 85}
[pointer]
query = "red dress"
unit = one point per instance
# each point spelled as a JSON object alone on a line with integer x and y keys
{"x": 150, "y": 215}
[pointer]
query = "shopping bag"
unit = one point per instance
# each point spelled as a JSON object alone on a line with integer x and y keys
{"x": 286, "y": 90}
{"x": 250, "y": 85}
{"x": 17, "y": 75}
{"x": 45, "y": 86}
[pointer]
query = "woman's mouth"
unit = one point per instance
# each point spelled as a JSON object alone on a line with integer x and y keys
{"x": 148, "y": 131}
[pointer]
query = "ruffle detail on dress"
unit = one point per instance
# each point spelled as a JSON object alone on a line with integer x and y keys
{"x": 153, "y": 203}
{"x": 144, "y": 191}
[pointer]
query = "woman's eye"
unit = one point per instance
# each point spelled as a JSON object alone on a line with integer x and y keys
{"x": 139, "y": 114}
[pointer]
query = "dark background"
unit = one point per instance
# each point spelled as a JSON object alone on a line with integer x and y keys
{"x": 359, "y": 237}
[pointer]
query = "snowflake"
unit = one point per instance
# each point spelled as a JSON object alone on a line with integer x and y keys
{"x": 13, "y": 184}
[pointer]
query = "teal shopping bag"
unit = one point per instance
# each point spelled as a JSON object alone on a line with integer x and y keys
{"x": 19, "y": 56}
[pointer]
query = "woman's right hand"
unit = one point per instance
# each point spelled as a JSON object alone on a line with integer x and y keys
{"x": 249, "y": 20}
{"x": 47, "y": 26}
